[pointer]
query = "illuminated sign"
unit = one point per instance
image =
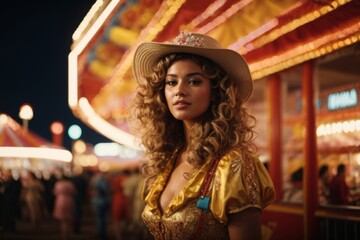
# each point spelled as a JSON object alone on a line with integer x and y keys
{"x": 344, "y": 99}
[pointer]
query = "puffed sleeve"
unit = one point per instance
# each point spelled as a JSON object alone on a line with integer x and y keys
{"x": 241, "y": 181}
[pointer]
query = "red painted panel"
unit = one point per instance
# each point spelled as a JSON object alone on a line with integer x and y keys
{"x": 280, "y": 225}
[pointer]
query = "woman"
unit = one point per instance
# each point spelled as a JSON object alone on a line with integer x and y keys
{"x": 204, "y": 180}
{"x": 33, "y": 194}
{"x": 64, "y": 207}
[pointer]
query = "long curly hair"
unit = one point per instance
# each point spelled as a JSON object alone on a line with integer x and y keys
{"x": 225, "y": 126}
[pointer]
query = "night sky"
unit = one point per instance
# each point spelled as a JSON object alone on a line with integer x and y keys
{"x": 35, "y": 43}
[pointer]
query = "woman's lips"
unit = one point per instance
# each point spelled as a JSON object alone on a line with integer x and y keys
{"x": 181, "y": 104}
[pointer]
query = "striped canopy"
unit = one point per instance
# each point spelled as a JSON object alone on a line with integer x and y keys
{"x": 23, "y": 145}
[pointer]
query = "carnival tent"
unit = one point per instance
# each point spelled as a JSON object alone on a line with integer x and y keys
{"x": 22, "y": 148}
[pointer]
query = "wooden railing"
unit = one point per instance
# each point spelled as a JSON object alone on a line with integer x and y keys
{"x": 338, "y": 222}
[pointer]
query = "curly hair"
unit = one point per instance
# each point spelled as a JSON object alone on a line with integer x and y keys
{"x": 225, "y": 126}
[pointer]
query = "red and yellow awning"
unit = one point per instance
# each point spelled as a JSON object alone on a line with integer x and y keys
{"x": 19, "y": 142}
{"x": 271, "y": 35}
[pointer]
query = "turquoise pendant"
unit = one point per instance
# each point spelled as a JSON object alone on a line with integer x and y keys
{"x": 203, "y": 203}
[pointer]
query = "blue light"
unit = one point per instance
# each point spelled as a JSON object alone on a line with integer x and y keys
{"x": 74, "y": 132}
{"x": 344, "y": 99}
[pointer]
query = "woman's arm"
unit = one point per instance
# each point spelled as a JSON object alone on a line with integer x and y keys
{"x": 245, "y": 225}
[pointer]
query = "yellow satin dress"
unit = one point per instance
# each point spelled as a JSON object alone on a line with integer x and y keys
{"x": 240, "y": 182}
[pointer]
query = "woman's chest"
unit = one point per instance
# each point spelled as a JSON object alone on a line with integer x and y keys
{"x": 176, "y": 182}
{"x": 184, "y": 223}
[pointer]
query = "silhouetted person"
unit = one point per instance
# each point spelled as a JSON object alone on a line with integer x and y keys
{"x": 101, "y": 202}
{"x": 81, "y": 185}
{"x": 339, "y": 191}
{"x": 49, "y": 194}
{"x": 119, "y": 203}
{"x": 11, "y": 204}
{"x": 324, "y": 191}
{"x": 295, "y": 193}
{"x": 33, "y": 191}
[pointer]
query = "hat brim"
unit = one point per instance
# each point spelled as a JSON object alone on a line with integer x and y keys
{"x": 148, "y": 54}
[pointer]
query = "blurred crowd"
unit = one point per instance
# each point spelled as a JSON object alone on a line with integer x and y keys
{"x": 114, "y": 199}
{"x": 333, "y": 188}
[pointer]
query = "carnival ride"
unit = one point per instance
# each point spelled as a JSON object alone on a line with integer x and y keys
{"x": 271, "y": 35}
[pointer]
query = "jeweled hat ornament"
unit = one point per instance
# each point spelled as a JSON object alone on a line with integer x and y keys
{"x": 148, "y": 54}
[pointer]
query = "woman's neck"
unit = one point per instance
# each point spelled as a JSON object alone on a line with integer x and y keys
{"x": 187, "y": 129}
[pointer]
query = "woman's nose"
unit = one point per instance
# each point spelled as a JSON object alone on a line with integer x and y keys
{"x": 180, "y": 90}
{"x": 179, "y": 94}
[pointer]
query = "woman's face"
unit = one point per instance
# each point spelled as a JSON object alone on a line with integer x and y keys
{"x": 187, "y": 90}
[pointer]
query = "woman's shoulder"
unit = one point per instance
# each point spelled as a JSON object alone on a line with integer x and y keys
{"x": 237, "y": 157}
{"x": 241, "y": 181}
{"x": 244, "y": 166}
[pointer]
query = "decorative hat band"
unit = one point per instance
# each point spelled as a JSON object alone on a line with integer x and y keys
{"x": 188, "y": 39}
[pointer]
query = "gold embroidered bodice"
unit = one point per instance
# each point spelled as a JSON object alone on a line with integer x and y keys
{"x": 239, "y": 183}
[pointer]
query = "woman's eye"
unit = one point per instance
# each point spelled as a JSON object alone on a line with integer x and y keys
{"x": 170, "y": 82}
{"x": 194, "y": 82}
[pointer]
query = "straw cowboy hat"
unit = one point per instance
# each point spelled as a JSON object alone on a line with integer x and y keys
{"x": 149, "y": 53}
